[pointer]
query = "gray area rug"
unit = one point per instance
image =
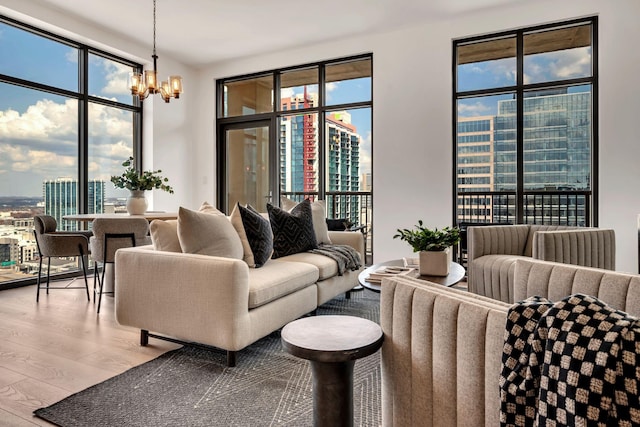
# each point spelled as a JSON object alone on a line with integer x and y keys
{"x": 192, "y": 386}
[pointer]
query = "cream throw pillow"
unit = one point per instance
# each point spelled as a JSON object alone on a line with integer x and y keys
{"x": 164, "y": 235}
{"x": 207, "y": 234}
{"x": 318, "y": 214}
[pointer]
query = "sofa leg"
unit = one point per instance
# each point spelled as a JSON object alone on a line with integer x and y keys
{"x": 144, "y": 337}
{"x": 231, "y": 358}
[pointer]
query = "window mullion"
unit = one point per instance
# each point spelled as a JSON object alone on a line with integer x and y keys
{"x": 83, "y": 131}
{"x": 322, "y": 151}
{"x": 519, "y": 128}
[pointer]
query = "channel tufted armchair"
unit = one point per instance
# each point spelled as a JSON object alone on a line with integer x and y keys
{"x": 493, "y": 251}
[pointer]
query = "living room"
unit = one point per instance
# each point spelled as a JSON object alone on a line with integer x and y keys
{"x": 180, "y": 137}
{"x": 412, "y": 85}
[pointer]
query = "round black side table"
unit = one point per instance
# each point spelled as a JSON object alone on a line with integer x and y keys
{"x": 332, "y": 344}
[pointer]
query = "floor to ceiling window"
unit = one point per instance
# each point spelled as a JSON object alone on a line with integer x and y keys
{"x": 67, "y": 122}
{"x": 298, "y": 132}
{"x": 525, "y": 125}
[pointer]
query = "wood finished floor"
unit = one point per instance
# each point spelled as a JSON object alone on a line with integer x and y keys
{"x": 59, "y": 346}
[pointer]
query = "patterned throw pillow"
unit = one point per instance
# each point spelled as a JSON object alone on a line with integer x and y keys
{"x": 319, "y": 215}
{"x": 255, "y": 232}
{"x": 292, "y": 231}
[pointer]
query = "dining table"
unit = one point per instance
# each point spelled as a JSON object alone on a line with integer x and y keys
{"x": 149, "y": 216}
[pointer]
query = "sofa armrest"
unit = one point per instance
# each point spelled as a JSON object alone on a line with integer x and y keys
{"x": 441, "y": 355}
{"x": 354, "y": 239}
{"x": 591, "y": 247}
{"x": 170, "y": 293}
{"x": 496, "y": 240}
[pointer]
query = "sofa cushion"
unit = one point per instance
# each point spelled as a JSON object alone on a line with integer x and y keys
{"x": 327, "y": 267}
{"x": 278, "y": 278}
{"x": 292, "y": 231}
{"x": 208, "y": 234}
{"x": 318, "y": 214}
{"x": 255, "y": 233}
{"x": 164, "y": 235}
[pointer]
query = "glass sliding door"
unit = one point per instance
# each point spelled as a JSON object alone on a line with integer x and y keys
{"x": 248, "y": 154}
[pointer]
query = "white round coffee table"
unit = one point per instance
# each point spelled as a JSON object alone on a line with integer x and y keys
{"x": 456, "y": 274}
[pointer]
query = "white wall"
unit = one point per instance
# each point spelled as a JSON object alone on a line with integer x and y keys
{"x": 412, "y": 150}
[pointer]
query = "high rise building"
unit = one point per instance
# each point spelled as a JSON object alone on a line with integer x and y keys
{"x": 475, "y": 167}
{"x": 61, "y": 198}
{"x": 343, "y": 164}
{"x": 556, "y": 158}
{"x": 298, "y": 143}
{"x": 299, "y": 155}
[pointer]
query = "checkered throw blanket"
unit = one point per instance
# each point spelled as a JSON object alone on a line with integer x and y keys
{"x": 346, "y": 256}
{"x": 575, "y": 362}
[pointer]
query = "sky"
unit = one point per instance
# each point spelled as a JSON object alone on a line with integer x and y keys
{"x": 545, "y": 67}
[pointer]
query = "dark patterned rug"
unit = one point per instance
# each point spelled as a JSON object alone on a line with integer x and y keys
{"x": 192, "y": 386}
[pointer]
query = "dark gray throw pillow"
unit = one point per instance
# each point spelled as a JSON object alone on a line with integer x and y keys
{"x": 292, "y": 231}
{"x": 259, "y": 235}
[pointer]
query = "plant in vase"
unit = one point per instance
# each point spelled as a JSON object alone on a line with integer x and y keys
{"x": 137, "y": 183}
{"x": 433, "y": 246}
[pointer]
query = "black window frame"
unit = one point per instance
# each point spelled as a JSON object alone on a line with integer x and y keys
{"x": 520, "y": 88}
{"x": 273, "y": 117}
{"x": 84, "y": 98}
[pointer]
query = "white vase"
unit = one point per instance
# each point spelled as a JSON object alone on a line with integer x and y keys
{"x": 435, "y": 263}
{"x": 136, "y": 203}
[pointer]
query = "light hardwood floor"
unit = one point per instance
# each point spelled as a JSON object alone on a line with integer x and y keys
{"x": 59, "y": 346}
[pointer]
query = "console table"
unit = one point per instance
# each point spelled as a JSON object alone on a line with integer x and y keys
{"x": 332, "y": 344}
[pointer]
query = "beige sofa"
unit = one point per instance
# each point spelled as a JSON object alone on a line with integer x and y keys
{"x": 442, "y": 349}
{"x": 493, "y": 250}
{"x": 221, "y": 301}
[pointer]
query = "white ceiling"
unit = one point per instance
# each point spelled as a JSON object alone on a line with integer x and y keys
{"x": 199, "y": 32}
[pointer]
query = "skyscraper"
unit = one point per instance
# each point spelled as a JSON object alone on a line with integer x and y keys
{"x": 556, "y": 158}
{"x": 61, "y": 198}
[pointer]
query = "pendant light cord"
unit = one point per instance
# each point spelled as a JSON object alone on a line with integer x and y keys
{"x": 154, "y": 27}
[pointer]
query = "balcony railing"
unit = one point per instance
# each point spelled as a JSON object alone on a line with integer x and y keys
{"x": 355, "y": 206}
{"x": 538, "y": 207}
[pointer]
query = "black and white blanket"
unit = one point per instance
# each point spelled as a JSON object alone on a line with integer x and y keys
{"x": 575, "y": 362}
{"x": 346, "y": 256}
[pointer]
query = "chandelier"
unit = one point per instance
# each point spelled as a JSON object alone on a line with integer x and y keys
{"x": 147, "y": 84}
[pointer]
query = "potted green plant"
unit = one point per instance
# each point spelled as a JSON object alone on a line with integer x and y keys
{"x": 137, "y": 183}
{"x": 433, "y": 246}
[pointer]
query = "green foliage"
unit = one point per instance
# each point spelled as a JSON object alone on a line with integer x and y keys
{"x": 147, "y": 180}
{"x": 424, "y": 239}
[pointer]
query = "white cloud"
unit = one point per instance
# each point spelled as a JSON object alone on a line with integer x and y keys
{"x": 117, "y": 78}
{"x": 287, "y": 93}
{"x": 330, "y": 87}
{"x": 43, "y": 140}
{"x": 475, "y": 109}
{"x": 563, "y": 64}
{"x": 72, "y": 55}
